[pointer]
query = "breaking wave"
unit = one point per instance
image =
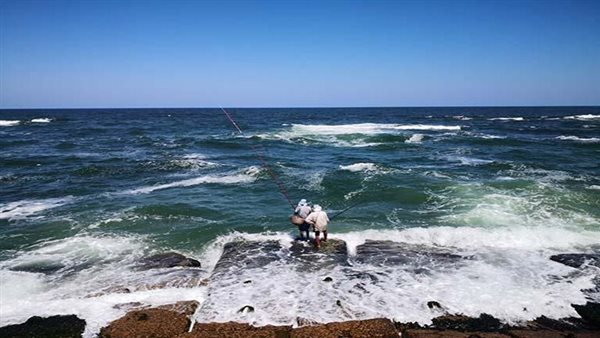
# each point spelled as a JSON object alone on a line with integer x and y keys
{"x": 42, "y": 120}
{"x": 582, "y": 117}
{"x": 9, "y": 123}
{"x": 25, "y": 208}
{"x": 579, "y": 139}
{"x": 247, "y": 176}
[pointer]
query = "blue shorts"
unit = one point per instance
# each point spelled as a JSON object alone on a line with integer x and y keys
{"x": 304, "y": 227}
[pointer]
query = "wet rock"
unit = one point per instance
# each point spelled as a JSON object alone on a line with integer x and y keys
{"x": 381, "y": 328}
{"x": 563, "y": 324}
{"x": 156, "y": 323}
{"x": 425, "y": 333}
{"x": 577, "y": 260}
{"x": 235, "y": 330}
{"x": 247, "y": 281}
{"x": 327, "y": 279}
{"x": 484, "y": 323}
{"x": 247, "y": 255}
{"x": 418, "y": 258}
{"x": 305, "y": 322}
{"x": 49, "y": 327}
{"x": 305, "y": 256}
{"x": 590, "y": 313}
{"x": 184, "y": 307}
{"x": 168, "y": 260}
{"x": 433, "y": 305}
{"x": 246, "y": 309}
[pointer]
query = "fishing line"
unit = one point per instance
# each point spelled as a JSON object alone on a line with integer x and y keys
{"x": 263, "y": 161}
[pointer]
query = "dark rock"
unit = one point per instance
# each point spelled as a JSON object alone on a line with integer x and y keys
{"x": 305, "y": 322}
{"x": 156, "y": 323}
{"x": 168, "y": 260}
{"x": 338, "y": 303}
{"x": 246, "y": 309}
{"x": 433, "y": 305}
{"x": 328, "y": 279}
{"x": 381, "y": 328}
{"x": 417, "y": 258}
{"x": 590, "y": 313}
{"x": 484, "y": 323}
{"x": 563, "y": 324}
{"x": 235, "y": 330}
{"x": 427, "y": 333}
{"x": 184, "y": 307}
{"x": 576, "y": 260}
{"x": 247, "y": 281}
{"x": 333, "y": 252}
{"x": 247, "y": 255}
{"x": 49, "y": 327}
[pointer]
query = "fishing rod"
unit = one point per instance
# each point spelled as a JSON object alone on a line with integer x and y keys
{"x": 262, "y": 160}
{"x": 344, "y": 210}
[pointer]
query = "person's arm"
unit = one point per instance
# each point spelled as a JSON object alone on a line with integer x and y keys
{"x": 310, "y": 219}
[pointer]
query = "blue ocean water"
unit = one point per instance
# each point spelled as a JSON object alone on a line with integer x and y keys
{"x": 86, "y": 193}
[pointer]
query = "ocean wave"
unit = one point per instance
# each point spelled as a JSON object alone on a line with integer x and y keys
{"x": 25, "y": 208}
{"x": 42, "y": 120}
{"x": 416, "y": 138}
{"x": 9, "y": 123}
{"x": 246, "y": 176}
{"x": 518, "y": 118}
{"x": 358, "y": 167}
{"x": 583, "y": 117}
{"x": 579, "y": 139}
{"x": 364, "y": 128}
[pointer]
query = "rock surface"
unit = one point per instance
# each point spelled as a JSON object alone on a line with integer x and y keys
{"x": 236, "y": 330}
{"x": 577, "y": 260}
{"x": 50, "y": 327}
{"x": 375, "y": 328}
{"x": 154, "y": 322}
{"x": 168, "y": 260}
{"x": 590, "y": 313}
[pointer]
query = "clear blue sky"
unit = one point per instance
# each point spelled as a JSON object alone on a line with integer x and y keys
{"x": 298, "y": 53}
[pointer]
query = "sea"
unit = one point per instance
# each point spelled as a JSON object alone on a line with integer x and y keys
{"x": 463, "y": 206}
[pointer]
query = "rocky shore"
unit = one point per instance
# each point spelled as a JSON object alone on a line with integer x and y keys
{"x": 176, "y": 320}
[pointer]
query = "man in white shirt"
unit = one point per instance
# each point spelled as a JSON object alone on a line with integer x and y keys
{"x": 319, "y": 220}
{"x": 303, "y": 210}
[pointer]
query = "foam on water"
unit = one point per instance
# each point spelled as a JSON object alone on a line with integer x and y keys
{"x": 506, "y": 119}
{"x": 91, "y": 266}
{"x": 583, "y": 117}
{"x": 416, "y": 138}
{"x": 25, "y": 208}
{"x": 363, "y": 128}
{"x": 358, "y": 167}
{"x": 42, "y": 120}
{"x": 9, "y": 123}
{"x": 508, "y": 270}
{"x": 247, "y": 176}
{"x": 579, "y": 139}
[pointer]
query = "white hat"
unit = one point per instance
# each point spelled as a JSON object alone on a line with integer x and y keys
{"x": 317, "y": 207}
{"x": 302, "y": 202}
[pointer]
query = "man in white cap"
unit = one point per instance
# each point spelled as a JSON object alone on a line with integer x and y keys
{"x": 303, "y": 210}
{"x": 318, "y": 218}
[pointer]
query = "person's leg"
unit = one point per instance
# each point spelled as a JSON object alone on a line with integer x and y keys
{"x": 300, "y": 229}
{"x": 317, "y": 240}
{"x": 324, "y": 235}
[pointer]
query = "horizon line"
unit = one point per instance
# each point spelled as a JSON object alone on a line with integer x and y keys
{"x": 310, "y": 107}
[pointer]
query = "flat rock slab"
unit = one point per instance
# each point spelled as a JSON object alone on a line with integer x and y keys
{"x": 376, "y": 328}
{"x": 247, "y": 255}
{"x": 168, "y": 260}
{"x": 590, "y": 313}
{"x": 485, "y": 322}
{"x": 69, "y": 326}
{"x": 424, "y": 333}
{"x": 156, "y": 323}
{"x": 236, "y": 330}
{"x": 420, "y": 257}
{"x": 303, "y": 254}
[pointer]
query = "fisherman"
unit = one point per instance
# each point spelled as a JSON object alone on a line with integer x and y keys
{"x": 318, "y": 219}
{"x": 303, "y": 210}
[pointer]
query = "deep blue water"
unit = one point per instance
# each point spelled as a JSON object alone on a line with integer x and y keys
{"x": 83, "y": 189}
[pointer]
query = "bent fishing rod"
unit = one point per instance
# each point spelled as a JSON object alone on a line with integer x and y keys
{"x": 262, "y": 160}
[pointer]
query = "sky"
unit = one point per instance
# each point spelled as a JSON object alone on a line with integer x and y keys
{"x": 95, "y": 54}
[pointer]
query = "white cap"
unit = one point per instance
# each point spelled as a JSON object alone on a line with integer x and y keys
{"x": 302, "y": 202}
{"x": 317, "y": 207}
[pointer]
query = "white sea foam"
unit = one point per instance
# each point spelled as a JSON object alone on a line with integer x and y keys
{"x": 594, "y": 187}
{"x": 246, "y": 176}
{"x": 364, "y": 128}
{"x": 9, "y": 123}
{"x": 42, "y": 120}
{"x": 506, "y": 119}
{"x": 25, "y": 208}
{"x": 579, "y": 139}
{"x": 508, "y": 270}
{"x": 357, "y": 167}
{"x": 583, "y": 117}
{"x": 416, "y": 138}
{"x": 89, "y": 264}
{"x": 194, "y": 161}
